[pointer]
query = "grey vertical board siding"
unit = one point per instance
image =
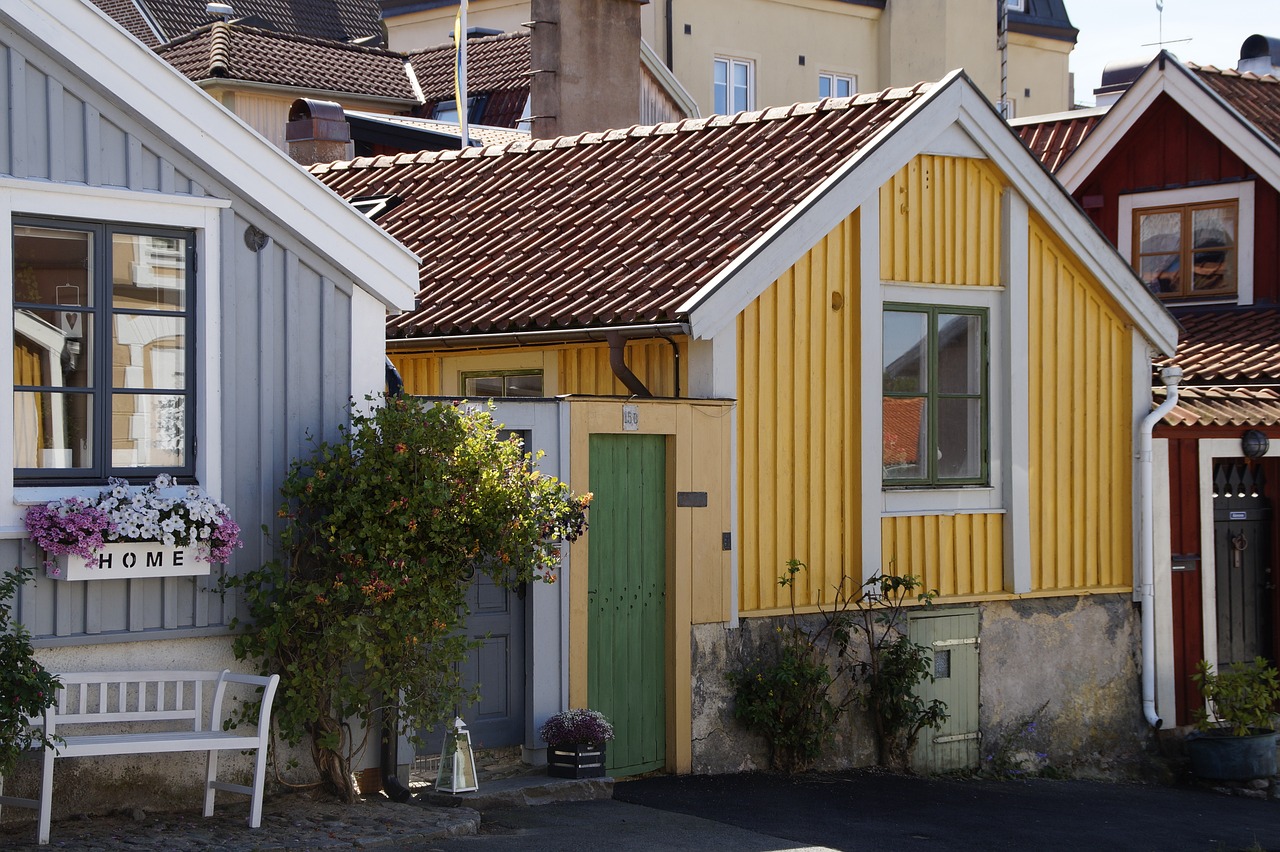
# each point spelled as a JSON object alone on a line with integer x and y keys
{"x": 54, "y": 127}
{"x": 285, "y": 347}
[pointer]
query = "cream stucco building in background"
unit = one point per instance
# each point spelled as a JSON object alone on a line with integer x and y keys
{"x": 749, "y": 54}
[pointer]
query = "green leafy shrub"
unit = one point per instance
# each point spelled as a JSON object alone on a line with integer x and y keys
{"x": 381, "y": 534}
{"x": 1244, "y": 697}
{"x": 26, "y": 688}
{"x": 795, "y": 690}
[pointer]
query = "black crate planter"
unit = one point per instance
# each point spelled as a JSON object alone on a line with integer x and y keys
{"x": 576, "y": 761}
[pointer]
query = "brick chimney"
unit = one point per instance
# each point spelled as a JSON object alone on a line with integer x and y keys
{"x": 318, "y": 132}
{"x": 585, "y": 58}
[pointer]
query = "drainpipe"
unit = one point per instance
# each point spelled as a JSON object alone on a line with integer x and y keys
{"x": 1170, "y": 376}
{"x": 618, "y": 363}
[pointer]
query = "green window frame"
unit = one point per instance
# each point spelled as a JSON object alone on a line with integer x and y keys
{"x": 935, "y": 396}
{"x": 104, "y": 340}
{"x": 500, "y": 384}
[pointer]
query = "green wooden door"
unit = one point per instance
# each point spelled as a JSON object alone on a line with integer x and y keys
{"x": 626, "y": 597}
{"x": 952, "y": 636}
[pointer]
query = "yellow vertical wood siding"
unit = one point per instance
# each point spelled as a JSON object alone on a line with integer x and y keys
{"x": 799, "y": 431}
{"x": 940, "y": 222}
{"x": 584, "y": 368}
{"x": 954, "y": 554}
{"x": 420, "y": 372}
{"x": 1081, "y": 425}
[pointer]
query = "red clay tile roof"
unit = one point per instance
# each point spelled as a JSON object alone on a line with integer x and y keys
{"x": 237, "y": 52}
{"x": 1054, "y": 138}
{"x": 497, "y": 66}
{"x": 1229, "y": 347}
{"x": 1256, "y": 98}
{"x": 127, "y": 14}
{"x": 1223, "y": 406}
{"x": 604, "y": 229}
{"x": 336, "y": 20}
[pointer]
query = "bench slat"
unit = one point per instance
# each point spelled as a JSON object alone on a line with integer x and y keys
{"x": 93, "y": 745}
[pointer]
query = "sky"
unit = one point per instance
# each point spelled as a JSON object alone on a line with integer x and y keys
{"x": 1113, "y": 30}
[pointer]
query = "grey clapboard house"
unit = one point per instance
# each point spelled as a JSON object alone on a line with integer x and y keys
{"x": 286, "y": 289}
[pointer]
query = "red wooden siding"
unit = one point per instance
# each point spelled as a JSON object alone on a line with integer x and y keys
{"x": 1167, "y": 149}
{"x": 1188, "y": 626}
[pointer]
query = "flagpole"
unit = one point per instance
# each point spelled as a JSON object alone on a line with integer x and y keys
{"x": 460, "y": 71}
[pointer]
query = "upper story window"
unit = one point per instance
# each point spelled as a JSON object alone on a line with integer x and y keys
{"x": 502, "y": 383}
{"x": 836, "y": 85}
{"x": 1188, "y": 251}
{"x": 103, "y": 326}
{"x": 734, "y": 85}
{"x": 935, "y": 395}
{"x": 1016, "y": 5}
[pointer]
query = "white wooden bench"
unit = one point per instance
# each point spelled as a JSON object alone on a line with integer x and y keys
{"x": 105, "y": 713}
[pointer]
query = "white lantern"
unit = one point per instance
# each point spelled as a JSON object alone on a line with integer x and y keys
{"x": 457, "y": 762}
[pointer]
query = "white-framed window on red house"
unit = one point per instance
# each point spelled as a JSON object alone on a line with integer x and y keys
{"x": 1188, "y": 251}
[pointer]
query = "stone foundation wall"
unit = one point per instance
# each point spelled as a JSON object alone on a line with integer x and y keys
{"x": 1059, "y": 691}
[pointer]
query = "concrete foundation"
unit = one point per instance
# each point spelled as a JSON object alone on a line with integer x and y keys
{"x": 1059, "y": 688}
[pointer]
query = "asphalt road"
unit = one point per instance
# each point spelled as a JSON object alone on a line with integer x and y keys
{"x": 886, "y": 813}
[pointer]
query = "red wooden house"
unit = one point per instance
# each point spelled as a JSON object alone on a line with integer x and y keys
{"x": 1182, "y": 174}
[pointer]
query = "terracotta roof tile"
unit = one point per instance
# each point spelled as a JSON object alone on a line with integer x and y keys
{"x": 127, "y": 14}
{"x": 1224, "y": 406}
{"x": 1254, "y": 97}
{"x": 1054, "y": 138}
{"x": 1234, "y": 346}
{"x": 335, "y": 20}
{"x": 237, "y": 52}
{"x": 604, "y": 228}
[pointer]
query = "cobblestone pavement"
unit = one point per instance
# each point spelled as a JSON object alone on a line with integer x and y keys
{"x": 289, "y": 821}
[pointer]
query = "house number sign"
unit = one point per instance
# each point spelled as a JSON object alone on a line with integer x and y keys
{"x": 630, "y": 418}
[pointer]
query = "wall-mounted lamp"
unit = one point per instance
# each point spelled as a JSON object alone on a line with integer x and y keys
{"x": 1254, "y": 444}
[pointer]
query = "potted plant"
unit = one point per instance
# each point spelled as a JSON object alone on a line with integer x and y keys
{"x": 1237, "y": 740}
{"x": 160, "y": 530}
{"x": 576, "y": 743}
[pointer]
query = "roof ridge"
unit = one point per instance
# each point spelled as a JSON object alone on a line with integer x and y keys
{"x": 492, "y": 39}
{"x": 639, "y": 131}
{"x": 1232, "y": 72}
{"x": 231, "y": 27}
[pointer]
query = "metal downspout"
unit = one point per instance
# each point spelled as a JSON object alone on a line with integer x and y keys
{"x": 1170, "y": 376}
{"x": 618, "y": 363}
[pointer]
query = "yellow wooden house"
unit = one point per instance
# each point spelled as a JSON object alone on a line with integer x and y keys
{"x": 870, "y": 333}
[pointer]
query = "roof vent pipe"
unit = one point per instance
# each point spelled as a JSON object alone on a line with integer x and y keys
{"x": 1170, "y": 376}
{"x": 1261, "y": 55}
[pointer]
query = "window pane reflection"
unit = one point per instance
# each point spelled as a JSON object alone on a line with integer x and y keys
{"x": 148, "y": 272}
{"x": 149, "y": 351}
{"x": 51, "y": 430}
{"x": 52, "y": 349}
{"x": 148, "y": 430}
{"x": 959, "y": 353}
{"x": 906, "y": 437}
{"x": 959, "y": 438}
{"x": 906, "y": 359}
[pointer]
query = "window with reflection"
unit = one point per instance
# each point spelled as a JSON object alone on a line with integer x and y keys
{"x": 502, "y": 383}
{"x": 934, "y": 395}
{"x": 1187, "y": 251}
{"x": 102, "y": 332}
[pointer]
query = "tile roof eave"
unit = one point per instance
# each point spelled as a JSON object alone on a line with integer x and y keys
{"x": 303, "y": 91}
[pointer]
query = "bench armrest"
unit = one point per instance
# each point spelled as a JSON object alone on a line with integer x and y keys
{"x": 268, "y": 685}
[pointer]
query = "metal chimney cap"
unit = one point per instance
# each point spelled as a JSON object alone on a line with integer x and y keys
{"x": 219, "y": 10}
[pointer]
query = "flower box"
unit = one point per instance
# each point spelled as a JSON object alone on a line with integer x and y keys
{"x": 576, "y": 761}
{"x": 129, "y": 560}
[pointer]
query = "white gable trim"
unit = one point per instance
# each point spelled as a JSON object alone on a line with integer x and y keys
{"x": 955, "y": 102}
{"x": 1203, "y": 104}
{"x": 853, "y": 184}
{"x": 114, "y": 63}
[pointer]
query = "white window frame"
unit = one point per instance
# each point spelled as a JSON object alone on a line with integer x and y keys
{"x": 988, "y": 498}
{"x": 1242, "y": 192}
{"x": 202, "y": 216}
{"x": 731, "y": 62}
{"x": 833, "y": 77}
{"x": 1016, "y": 5}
